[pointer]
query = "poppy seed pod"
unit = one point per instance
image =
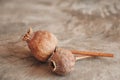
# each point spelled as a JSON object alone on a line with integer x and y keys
{"x": 41, "y": 43}
{"x": 62, "y": 61}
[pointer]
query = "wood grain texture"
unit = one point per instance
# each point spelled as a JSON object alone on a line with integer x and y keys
{"x": 86, "y": 25}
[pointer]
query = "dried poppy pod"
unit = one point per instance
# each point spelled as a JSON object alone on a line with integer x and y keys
{"x": 41, "y": 43}
{"x": 62, "y": 61}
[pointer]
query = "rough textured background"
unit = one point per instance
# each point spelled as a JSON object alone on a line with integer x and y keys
{"x": 90, "y": 25}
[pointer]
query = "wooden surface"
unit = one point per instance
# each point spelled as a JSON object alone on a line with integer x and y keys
{"x": 87, "y": 25}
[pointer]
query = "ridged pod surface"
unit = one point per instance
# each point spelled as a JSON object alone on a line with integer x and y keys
{"x": 41, "y": 43}
{"x": 62, "y": 61}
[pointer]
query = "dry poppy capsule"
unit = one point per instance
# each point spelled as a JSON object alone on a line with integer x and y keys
{"x": 62, "y": 61}
{"x": 41, "y": 43}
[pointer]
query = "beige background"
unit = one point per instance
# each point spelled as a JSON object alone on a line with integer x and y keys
{"x": 89, "y": 25}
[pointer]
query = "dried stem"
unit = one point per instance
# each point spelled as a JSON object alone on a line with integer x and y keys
{"x": 81, "y": 57}
{"x": 92, "y": 53}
